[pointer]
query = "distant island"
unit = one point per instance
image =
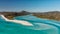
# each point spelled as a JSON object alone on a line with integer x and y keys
{"x": 55, "y": 15}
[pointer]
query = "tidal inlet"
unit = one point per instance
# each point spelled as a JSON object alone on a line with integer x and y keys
{"x": 29, "y": 16}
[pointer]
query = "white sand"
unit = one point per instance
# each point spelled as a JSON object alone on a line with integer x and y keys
{"x": 18, "y": 21}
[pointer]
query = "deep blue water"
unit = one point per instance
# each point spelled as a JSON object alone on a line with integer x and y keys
{"x": 41, "y": 26}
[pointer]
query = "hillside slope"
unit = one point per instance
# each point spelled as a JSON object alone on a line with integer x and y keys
{"x": 49, "y": 15}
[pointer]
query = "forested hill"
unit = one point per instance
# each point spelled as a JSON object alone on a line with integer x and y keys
{"x": 11, "y": 14}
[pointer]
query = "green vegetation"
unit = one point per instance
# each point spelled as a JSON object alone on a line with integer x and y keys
{"x": 55, "y": 15}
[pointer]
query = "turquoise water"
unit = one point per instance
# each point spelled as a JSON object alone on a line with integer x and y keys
{"x": 41, "y": 26}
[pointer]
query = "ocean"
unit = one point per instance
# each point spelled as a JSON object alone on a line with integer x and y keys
{"x": 41, "y": 26}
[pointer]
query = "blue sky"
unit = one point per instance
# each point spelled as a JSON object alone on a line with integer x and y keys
{"x": 30, "y": 5}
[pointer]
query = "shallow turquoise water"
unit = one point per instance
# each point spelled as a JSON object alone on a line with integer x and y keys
{"x": 41, "y": 26}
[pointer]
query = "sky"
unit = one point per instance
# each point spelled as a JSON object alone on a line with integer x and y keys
{"x": 30, "y": 5}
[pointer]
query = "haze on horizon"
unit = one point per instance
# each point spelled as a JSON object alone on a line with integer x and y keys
{"x": 30, "y": 5}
